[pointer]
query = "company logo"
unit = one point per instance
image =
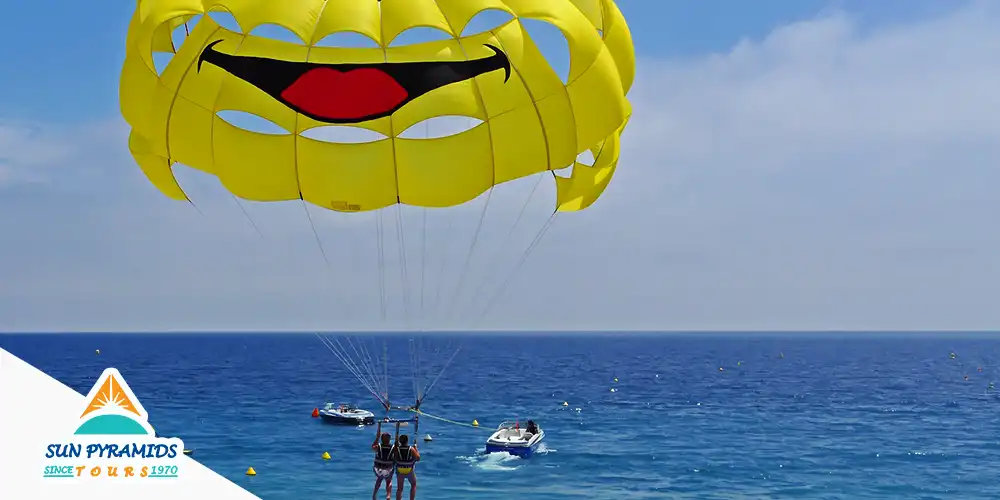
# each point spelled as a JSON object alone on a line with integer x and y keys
{"x": 111, "y": 438}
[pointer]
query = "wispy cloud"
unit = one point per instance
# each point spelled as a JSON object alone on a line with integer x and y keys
{"x": 827, "y": 176}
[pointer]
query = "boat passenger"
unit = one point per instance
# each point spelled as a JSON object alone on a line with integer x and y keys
{"x": 383, "y": 465}
{"x": 406, "y": 456}
{"x": 532, "y": 428}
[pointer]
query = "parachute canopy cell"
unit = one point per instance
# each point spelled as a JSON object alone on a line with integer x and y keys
{"x": 530, "y": 120}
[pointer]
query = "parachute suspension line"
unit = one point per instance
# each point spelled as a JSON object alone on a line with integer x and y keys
{"x": 423, "y": 247}
{"x": 413, "y": 367}
{"x": 419, "y": 370}
{"x": 520, "y": 263}
{"x": 423, "y": 269}
{"x": 427, "y": 390}
{"x": 440, "y": 280}
{"x": 341, "y": 354}
{"x": 370, "y": 365}
{"x": 492, "y": 267}
{"x": 344, "y": 310}
{"x": 196, "y": 209}
{"x": 404, "y": 273}
{"x": 319, "y": 242}
{"x": 348, "y": 363}
{"x": 385, "y": 370}
{"x": 244, "y": 210}
{"x": 424, "y": 378}
{"x": 381, "y": 265}
{"x": 468, "y": 256}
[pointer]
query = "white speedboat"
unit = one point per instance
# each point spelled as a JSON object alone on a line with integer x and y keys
{"x": 346, "y": 414}
{"x": 516, "y": 439}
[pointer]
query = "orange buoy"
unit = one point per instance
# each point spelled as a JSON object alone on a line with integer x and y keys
{"x": 315, "y": 412}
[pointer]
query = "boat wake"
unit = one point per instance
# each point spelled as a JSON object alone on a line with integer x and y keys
{"x": 501, "y": 461}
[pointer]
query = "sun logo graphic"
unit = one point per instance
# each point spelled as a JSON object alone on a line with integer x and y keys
{"x": 112, "y": 438}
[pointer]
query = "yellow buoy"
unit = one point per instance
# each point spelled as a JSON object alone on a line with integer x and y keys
{"x": 326, "y": 455}
{"x": 251, "y": 472}
{"x": 475, "y": 423}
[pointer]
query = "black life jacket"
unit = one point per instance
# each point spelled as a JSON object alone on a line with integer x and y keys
{"x": 404, "y": 456}
{"x": 383, "y": 455}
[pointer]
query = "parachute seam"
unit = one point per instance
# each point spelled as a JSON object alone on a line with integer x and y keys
{"x": 534, "y": 103}
{"x": 170, "y": 113}
{"x": 604, "y": 20}
{"x": 215, "y": 101}
{"x": 392, "y": 129}
{"x": 478, "y": 93}
{"x": 295, "y": 132}
{"x": 213, "y": 111}
{"x": 565, "y": 92}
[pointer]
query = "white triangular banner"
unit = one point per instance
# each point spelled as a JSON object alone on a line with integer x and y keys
{"x": 41, "y": 457}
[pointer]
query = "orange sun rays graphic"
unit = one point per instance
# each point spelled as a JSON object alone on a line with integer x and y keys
{"x": 110, "y": 395}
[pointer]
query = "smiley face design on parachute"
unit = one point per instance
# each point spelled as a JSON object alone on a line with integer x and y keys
{"x": 350, "y": 93}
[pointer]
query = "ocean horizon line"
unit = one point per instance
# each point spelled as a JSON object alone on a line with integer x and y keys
{"x": 517, "y": 332}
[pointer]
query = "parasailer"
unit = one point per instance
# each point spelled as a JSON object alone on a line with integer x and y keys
{"x": 384, "y": 465}
{"x": 406, "y": 457}
{"x": 528, "y": 121}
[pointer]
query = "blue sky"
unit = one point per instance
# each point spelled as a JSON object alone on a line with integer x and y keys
{"x": 792, "y": 164}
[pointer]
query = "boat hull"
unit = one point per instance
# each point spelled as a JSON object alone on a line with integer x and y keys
{"x": 518, "y": 451}
{"x": 333, "y": 418}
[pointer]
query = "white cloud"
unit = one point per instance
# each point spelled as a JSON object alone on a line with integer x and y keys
{"x": 825, "y": 177}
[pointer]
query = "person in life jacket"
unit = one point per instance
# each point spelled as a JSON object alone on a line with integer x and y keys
{"x": 384, "y": 464}
{"x": 406, "y": 457}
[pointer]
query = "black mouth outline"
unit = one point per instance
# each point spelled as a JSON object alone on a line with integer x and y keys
{"x": 273, "y": 76}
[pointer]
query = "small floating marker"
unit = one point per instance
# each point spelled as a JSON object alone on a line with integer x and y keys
{"x": 781, "y": 355}
{"x": 315, "y": 412}
{"x": 739, "y": 363}
{"x": 616, "y": 379}
{"x": 428, "y": 438}
{"x": 475, "y": 423}
{"x": 326, "y": 455}
{"x": 990, "y": 387}
{"x": 565, "y": 403}
{"x": 952, "y": 356}
{"x": 188, "y": 452}
{"x": 966, "y": 377}
{"x": 251, "y": 472}
{"x": 97, "y": 352}
{"x": 720, "y": 369}
{"x": 980, "y": 369}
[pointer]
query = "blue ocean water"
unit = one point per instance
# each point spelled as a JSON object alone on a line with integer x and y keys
{"x": 787, "y": 416}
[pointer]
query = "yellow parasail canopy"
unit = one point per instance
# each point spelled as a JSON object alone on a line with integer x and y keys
{"x": 531, "y": 121}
